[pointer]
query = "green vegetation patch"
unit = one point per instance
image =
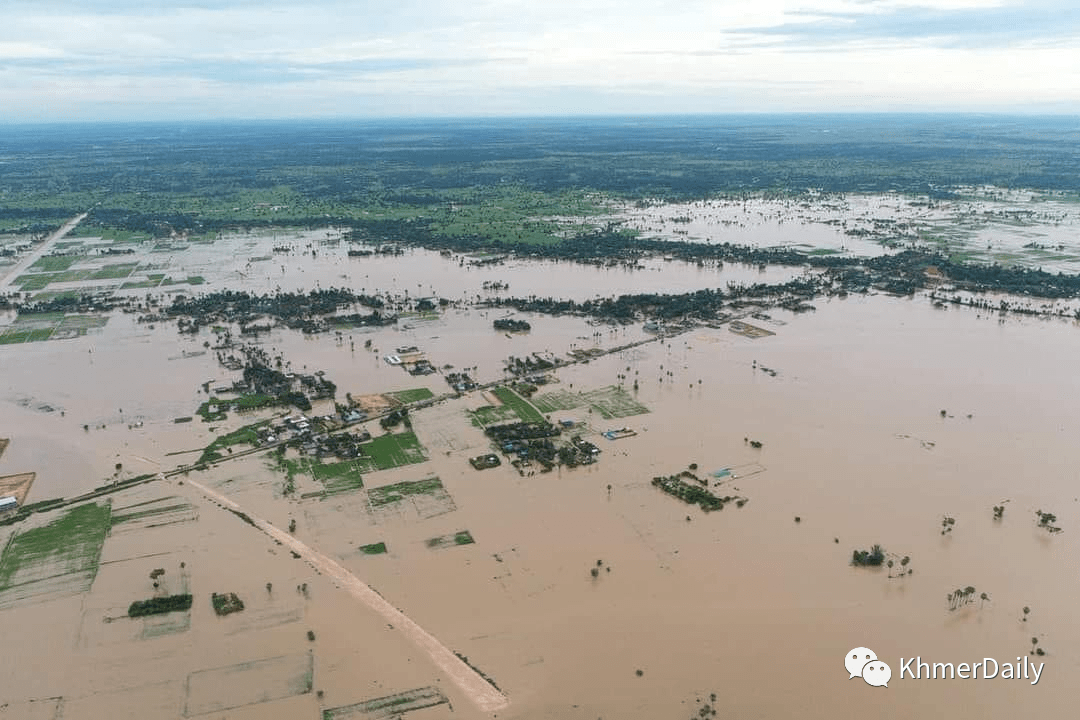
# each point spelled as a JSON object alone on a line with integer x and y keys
{"x": 609, "y": 402}
{"x": 614, "y": 402}
{"x": 518, "y": 404}
{"x": 28, "y": 283}
{"x": 215, "y": 409}
{"x": 226, "y": 603}
{"x": 154, "y": 513}
{"x": 873, "y": 557}
{"x": 159, "y": 605}
{"x": 56, "y": 295}
{"x": 50, "y": 326}
{"x": 245, "y": 435}
{"x": 337, "y": 477}
{"x": 410, "y": 396}
{"x": 378, "y": 548}
{"x": 462, "y": 537}
{"x": 390, "y": 451}
{"x": 138, "y": 284}
{"x": 54, "y": 560}
{"x": 119, "y": 271}
{"x": 117, "y": 235}
{"x": 514, "y": 408}
{"x": 14, "y": 336}
{"x": 291, "y": 467}
{"x": 395, "y": 493}
{"x": 39, "y": 281}
{"x": 558, "y": 400}
{"x": 82, "y": 322}
{"x": 211, "y": 410}
{"x": 695, "y": 492}
{"x": 190, "y": 280}
{"x": 55, "y": 263}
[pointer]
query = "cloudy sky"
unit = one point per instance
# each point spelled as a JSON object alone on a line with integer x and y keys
{"x": 63, "y": 60}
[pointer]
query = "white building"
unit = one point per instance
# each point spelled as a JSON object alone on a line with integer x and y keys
{"x": 8, "y": 503}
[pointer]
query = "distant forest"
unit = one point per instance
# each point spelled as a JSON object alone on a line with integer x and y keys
{"x": 404, "y": 161}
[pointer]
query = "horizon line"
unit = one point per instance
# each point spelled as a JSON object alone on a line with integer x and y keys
{"x": 1011, "y": 114}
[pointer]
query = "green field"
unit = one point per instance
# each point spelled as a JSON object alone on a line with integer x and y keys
{"x": 54, "y": 263}
{"x": 152, "y": 281}
{"x": 378, "y": 548}
{"x": 390, "y": 451}
{"x": 384, "y": 452}
{"x": 56, "y": 269}
{"x": 246, "y": 434}
{"x": 337, "y": 477}
{"x": 514, "y": 408}
{"x": 118, "y": 271}
{"x": 54, "y": 560}
{"x": 558, "y": 400}
{"x": 153, "y": 513}
{"x": 462, "y": 537}
{"x": 14, "y": 336}
{"x": 190, "y": 280}
{"x": 215, "y": 408}
{"x": 118, "y": 236}
{"x": 394, "y": 493}
{"x": 609, "y": 402}
{"x": 50, "y": 326}
{"x": 410, "y": 396}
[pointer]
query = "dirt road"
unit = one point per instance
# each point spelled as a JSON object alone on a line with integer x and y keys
{"x": 18, "y": 268}
{"x": 475, "y": 687}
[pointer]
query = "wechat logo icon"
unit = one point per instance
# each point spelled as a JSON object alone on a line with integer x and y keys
{"x": 863, "y": 662}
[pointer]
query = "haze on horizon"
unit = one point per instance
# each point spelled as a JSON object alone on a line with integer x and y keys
{"x": 94, "y": 60}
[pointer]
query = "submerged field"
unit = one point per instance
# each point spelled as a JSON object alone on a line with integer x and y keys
{"x": 857, "y": 462}
{"x": 697, "y": 509}
{"x": 53, "y": 560}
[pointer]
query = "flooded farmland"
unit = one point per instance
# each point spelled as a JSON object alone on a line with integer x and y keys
{"x": 584, "y": 591}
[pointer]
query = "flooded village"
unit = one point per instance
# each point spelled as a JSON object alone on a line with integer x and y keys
{"x": 675, "y": 473}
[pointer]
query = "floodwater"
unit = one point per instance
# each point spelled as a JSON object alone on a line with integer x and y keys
{"x": 745, "y": 603}
{"x": 984, "y": 224}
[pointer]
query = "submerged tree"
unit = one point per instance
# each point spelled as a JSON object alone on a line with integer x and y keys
{"x": 873, "y": 557}
{"x": 961, "y": 597}
{"x": 1047, "y": 520}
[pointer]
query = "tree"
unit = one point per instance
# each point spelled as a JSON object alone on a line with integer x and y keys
{"x": 873, "y": 557}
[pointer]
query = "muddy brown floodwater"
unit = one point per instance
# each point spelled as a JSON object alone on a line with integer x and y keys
{"x": 748, "y": 603}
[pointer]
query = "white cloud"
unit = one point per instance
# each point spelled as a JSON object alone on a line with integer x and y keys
{"x": 430, "y": 57}
{"x": 15, "y": 50}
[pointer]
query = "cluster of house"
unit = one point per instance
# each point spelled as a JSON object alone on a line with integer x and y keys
{"x": 483, "y": 462}
{"x": 586, "y": 448}
{"x": 460, "y": 382}
{"x": 411, "y": 359}
{"x": 315, "y": 438}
